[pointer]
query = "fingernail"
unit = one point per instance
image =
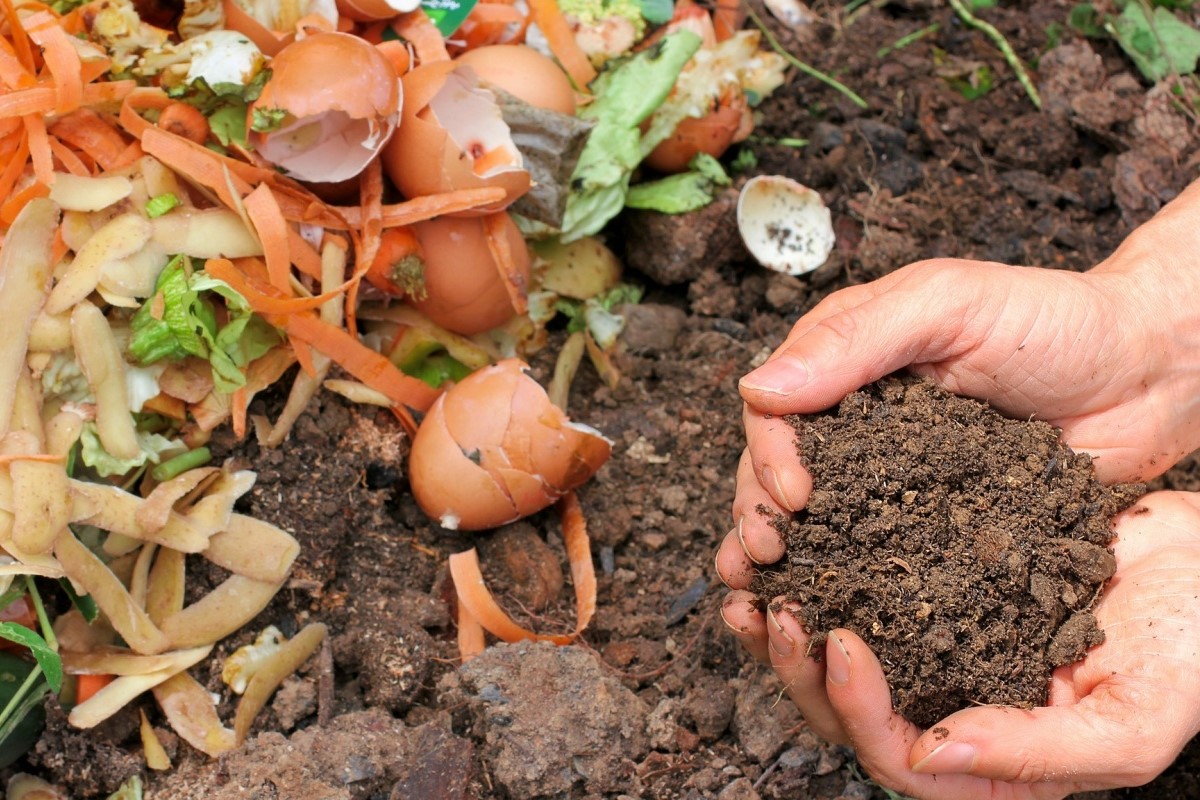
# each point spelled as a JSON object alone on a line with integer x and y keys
{"x": 837, "y": 662}
{"x": 951, "y": 757}
{"x": 779, "y": 639}
{"x": 742, "y": 541}
{"x": 770, "y": 479}
{"x": 778, "y": 376}
{"x": 728, "y": 624}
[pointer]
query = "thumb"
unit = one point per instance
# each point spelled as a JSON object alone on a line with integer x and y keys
{"x": 838, "y": 349}
{"x": 1103, "y": 741}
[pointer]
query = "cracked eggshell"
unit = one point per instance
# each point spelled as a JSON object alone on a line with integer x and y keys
{"x": 784, "y": 224}
{"x": 494, "y": 449}
{"x": 452, "y": 137}
{"x": 342, "y": 104}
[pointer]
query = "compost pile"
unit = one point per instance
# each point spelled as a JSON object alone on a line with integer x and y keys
{"x": 966, "y": 548}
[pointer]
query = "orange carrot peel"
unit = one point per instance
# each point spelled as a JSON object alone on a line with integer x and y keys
{"x": 481, "y": 608}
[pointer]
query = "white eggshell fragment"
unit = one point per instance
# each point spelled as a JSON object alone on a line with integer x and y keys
{"x": 784, "y": 224}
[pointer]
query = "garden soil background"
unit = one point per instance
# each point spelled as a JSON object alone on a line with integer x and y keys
{"x": 657, "y": 700}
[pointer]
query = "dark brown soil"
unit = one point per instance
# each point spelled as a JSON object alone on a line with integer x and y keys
{"x": 679, "y": 710}
{"x": 966, "y": 548}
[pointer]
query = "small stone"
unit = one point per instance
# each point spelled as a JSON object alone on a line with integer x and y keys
{"x": 650, "y": 328}
{"x": 654, "y": 541}
{"x": 740, "y": 789}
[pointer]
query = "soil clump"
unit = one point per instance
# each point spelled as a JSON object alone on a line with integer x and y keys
{"x": 967, "y": 549}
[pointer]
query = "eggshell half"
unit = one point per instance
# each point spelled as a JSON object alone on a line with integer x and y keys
{"x": 784, "y": 224}
{"x": 494, "y": 449}
{"x": 342, "y": 99}
{"x": 452, "y": 137}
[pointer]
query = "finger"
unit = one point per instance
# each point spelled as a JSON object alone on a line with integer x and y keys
{"x": 755, "y": 515}
{"x": 746, "y": 622}
{"x": 771, "y": 443}
{"x": 859, "y": 694}
{"x": 803, "y": 676}
{"x": 734, "y": 567}
{"x": 1107, "y": 739}
{"x": 860, "y": 344}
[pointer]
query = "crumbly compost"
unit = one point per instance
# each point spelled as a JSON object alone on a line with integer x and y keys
{"x": 967, "y": 549}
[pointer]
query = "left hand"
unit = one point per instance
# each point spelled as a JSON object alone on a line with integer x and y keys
{"x": 1118, "y": 718}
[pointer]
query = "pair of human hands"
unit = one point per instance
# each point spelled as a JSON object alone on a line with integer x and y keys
{"x": 1108, "y": 357}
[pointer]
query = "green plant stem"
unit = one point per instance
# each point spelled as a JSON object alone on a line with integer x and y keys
{"x": 181, "y": 463}
{"x": 15, "y": 702}
{"x": 40, "y": 608}
{"x": 807, "y": 69}
{"x": 905, "y": 41}
{"x": 1005, "y": 48}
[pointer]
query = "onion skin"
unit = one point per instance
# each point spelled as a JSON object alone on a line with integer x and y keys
{"x": 494, "y": 449}
{"x": 464, "y": 290}
{"x": 729, "y": 122}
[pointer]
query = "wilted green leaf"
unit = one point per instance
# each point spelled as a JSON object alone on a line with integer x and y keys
{"x": 1159, "y": 44}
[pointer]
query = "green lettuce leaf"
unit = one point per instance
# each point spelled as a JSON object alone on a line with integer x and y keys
{"x": 626, "y": 95}
{"x": 679, "y": 194}
{"x": 186, "y": 325}
{"x": 154, "y": 447}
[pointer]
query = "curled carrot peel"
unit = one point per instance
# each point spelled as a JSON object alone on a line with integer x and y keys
{"x": 272, "y": 231}
{"x": 562, "y": 42}
{"x": 39, "y": 148}
{"x": 92, "y": 135}
{"x": 420, "y": 209}
{"x": 475, "y": 600}
{"x": 362, "y": 362}
{"x": 62, "y": 59}
{"x": 496, "y": 231}
{"x": 471, "y": 640}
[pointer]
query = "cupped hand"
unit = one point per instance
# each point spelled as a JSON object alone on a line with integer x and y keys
{"x": 1109, "y": 356}
{"x": 1117, "y": 718}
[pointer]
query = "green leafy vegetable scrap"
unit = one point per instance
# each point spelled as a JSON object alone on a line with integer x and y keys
{"x": 181, "y": 320}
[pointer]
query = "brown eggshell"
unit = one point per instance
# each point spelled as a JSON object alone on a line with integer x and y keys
{"x": 364, "y": 83}
{"x": 542, "y": 457}
{"x": 374, "y": 10}
{"x": 524, "y": 73}
{"x": 357, "y": 106}
{"x": 711, "y": 134}
{"x": 464, "y": 290}
{"x": 424, "y": 159}
{"x": 441, "y": 474}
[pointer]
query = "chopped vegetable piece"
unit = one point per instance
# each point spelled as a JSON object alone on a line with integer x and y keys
{"x": 161, "y": 204}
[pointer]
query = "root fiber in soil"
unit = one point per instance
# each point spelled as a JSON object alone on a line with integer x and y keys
{"x": 967, "y": 549}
